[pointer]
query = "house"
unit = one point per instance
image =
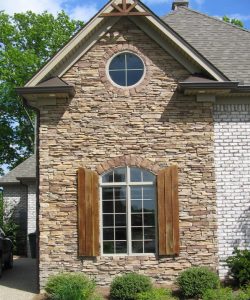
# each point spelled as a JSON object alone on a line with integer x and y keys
{"x": 19, "y": 195}
{"x": 143, "y": 144}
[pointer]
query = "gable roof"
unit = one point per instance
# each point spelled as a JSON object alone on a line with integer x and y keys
{"x": 99, "y": 25}
{"x": 226, "y": 46}
{"x": 25, "y": 170}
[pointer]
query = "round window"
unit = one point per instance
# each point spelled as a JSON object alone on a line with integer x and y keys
{"x": 126, "y": 69}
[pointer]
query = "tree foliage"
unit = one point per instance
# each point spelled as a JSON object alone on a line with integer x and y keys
{"x": 236, "y": 22}
{"x": 27, "y": 41}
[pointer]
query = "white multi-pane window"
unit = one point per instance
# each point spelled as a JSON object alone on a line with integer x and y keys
{"x": 128, "y": 211}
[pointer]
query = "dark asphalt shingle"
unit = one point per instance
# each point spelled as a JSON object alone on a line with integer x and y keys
{"x": 226, "y": 46}
{"x": 27, "y": 169}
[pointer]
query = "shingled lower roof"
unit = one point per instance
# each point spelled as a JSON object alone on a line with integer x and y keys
{"x": 226, "y": 46}
{"x": 25, "y": 170}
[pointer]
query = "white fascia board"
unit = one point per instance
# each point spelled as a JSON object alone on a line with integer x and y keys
{"x": 150, "y": 31}
{"x": 89, "y": 29}
{"x": 212, "y": 71}
{"x": 59, "y": 56}
{"x": 86, "y": 46}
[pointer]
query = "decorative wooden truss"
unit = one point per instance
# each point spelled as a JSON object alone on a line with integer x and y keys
{"x": 125, "y": 9}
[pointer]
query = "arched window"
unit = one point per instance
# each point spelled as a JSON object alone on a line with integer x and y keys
{"x": 127, "y": 206}
{"x": 128, "y": 211}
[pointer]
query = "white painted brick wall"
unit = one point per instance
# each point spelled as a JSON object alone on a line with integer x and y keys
{"x": 232, "y": 167}
{"x": 31, "y": 213}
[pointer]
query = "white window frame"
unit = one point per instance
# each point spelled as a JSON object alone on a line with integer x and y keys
{"x": 122, "y": 86}
{"x": 127, "y": 184}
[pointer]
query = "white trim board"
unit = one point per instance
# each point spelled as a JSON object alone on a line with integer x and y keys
{"x": 89, "y": 34}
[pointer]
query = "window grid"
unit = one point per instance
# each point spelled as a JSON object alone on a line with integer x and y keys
{"x": 126, "y": 69}
{"x": 128, "y": 184}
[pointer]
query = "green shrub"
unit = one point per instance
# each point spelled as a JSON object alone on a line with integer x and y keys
{"x": 11, "y": 230}
{"x": 227, "y": 294}
{"x": 239, "y": 265}
{"x": 243, "y": 294}
{"x": 127, "y": 286}
{"x": 70, "y": 286}
{"x": 194, "y": 281}
{"x": 218, "y": 294}
{"x": 155, "y": 294}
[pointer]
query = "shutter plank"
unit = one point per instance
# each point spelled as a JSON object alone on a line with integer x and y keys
{"x": 88, "y": 213}
{"x": 95, "y": 214}
{"x": 175, "y": 208}
{"x": 161, "y": 212}
{"x": 81, "y": 211}
{"x": 168, "y": 211}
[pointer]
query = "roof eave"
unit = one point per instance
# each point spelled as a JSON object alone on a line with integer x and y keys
{"x": 196, "y": 88}
{"x": 69, "y": 90}
{"x": 4, "y": 183}
{"x": 208, "y": 85}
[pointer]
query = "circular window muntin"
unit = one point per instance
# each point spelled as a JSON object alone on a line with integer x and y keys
{"x": 121, "y": 86}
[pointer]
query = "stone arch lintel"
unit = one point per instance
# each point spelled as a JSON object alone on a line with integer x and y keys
{"x": 127, "y": 160}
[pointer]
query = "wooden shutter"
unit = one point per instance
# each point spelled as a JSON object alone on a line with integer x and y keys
{"x": 88, "y": 213}
{"x": 168, "y": 211}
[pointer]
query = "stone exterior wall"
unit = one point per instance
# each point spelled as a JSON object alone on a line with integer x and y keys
{"x": 232, "y": 164}
{"x": 15, "y": 206}
{"x": 153, "y": 122}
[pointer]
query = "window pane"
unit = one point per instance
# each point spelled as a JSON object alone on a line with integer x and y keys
{"x": 108, "y": 247}
{"x": 149, "y": 233}
{"x": 108, "y": 206}
{"x": 148, "y": 176}
{"x": 149, "y": 246}
{"x": 119, "y": 77}
{"x": 136, "y": 192}
{"x": 118, "y": 62}
{"x": 148, "y": 206}
{"x": 120, "y": 220}
{"x": 137, "y": 247}
{"x": 108, "y": 234}
{"x": 120, "y": 175}
{"x": 134, "y": 62}
{"x": 121, "y": 234}
{"x": 108, "y": 220}
{"x": 107, "y": 193}
{"x": 108, "y": 177}
{"x": 135, "y": 175}
{"x": 120, "y": 193}
{"x": 137, "y": 233}
{"x": 136, "y": 205}
{"x": 136, "y": 219}
{"x": 120, "y": 206}
{"x": 149, "y": 192}
{"x": 121, "y": 247}
{"x": 134, "y": 76}
{"x": 149, "y": 220}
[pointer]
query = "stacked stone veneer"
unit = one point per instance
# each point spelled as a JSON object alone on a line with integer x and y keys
{"x": 152, "y": 122}
{"x": 232, "y": 161}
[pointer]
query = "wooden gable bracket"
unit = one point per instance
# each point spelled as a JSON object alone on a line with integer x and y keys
{"x": 124, "y": 10}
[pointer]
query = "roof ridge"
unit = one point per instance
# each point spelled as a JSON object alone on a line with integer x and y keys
{"x": 213, "y": 18}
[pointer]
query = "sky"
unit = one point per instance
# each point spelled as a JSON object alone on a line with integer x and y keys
{"x": 85, "y": 9}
